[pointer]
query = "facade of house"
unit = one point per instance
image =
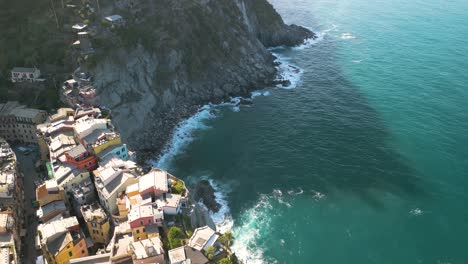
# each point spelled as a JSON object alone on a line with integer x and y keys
{"x": 144, "y": 221}
{"x": 97, "y": 222}
{"x": 62, "y": 240}
{"x": 21, "y": 74}
{"x": 18, "y": 123}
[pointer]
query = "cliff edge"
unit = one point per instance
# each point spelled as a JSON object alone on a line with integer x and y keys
{"x": 174, "y": 55}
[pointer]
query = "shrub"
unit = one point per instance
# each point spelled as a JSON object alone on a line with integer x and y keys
{"x": 225, "y": 261}
{"x": 175, "y": 236}
{"x": 178, "y": 187}
{"x": 210, "y": 252}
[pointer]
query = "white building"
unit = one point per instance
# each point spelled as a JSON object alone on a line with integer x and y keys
{"x": 115, "y": 20}
{"x": 202, "y": 238}
{"x": 20, "y": 74}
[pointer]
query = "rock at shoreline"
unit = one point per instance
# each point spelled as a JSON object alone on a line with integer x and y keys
{"x": 205, "y": 193}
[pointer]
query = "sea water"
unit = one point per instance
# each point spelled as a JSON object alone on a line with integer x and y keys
{"x": 363, "y": 158}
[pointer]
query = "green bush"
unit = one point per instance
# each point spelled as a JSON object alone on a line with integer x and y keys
{"x": 210, "y": 252}
{"x": 175, "y": 236}
{"x": 225, "y": 261}
{"x": 178, "y": 187}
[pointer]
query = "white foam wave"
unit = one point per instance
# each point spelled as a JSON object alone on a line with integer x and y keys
{"x": 287, "y": 72}
{"x": 182, "y": 136}
{"x": 347, "y": 36}
{"x": 416, "y": 212}
{"x": 222, "y": 218}
{"x": 254, "y": 223}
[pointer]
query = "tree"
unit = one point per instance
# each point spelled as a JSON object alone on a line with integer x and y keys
{"x": 210, "y": 252}
{"x": 225, "y": 261}
{"x": 178, "y": 188}
{"x": 226, "y": 239}
{"x": 175, "y": 236}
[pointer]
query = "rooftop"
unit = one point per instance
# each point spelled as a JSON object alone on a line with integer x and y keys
{"x": 50, "y": 208}
{"x": 93, "y": 212}
{"x": 96, "y": 259}
{"x": 51, "y": 229}
{"x": 143, "y": 211}
{"x": 155, "y": 178}
{"x": 77, "y": 151}
{"x": 147, "y": 248}
{"x": 13, "y": 108}
{"x": 23, "y": 69}
{"x": 177, "y": 255}
{"x": 113, "y": 18}
{"x": 203, "y": 237}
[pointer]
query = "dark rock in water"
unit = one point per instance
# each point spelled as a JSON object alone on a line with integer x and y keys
{"x": 204, "y": 192}
{"x": 245, "y": 101}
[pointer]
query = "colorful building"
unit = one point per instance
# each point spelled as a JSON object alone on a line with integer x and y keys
{"x": 97, "y": 222}
{"x": 62, "y": 240}
{"x": 81, "y": 158}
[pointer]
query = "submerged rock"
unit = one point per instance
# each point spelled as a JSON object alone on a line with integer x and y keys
{"x": 205, "y": 193}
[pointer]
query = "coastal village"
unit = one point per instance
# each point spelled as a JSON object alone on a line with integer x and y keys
{"x": 71, "y": 190}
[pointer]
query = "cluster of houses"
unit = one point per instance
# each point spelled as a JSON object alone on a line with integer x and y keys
{"x": 11, "y": 205}
{"x": 98, "y": 205}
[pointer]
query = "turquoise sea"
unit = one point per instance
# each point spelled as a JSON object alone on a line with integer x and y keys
{"x": 364, "y": 159}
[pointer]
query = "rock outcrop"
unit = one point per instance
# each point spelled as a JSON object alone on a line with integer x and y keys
{"x": 205, "y": 193}
{"x": 175, "y": 55}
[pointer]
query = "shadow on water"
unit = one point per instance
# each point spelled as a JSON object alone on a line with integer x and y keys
{"x": 322, "y": 136}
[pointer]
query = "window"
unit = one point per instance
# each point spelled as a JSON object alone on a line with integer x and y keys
{"x": 82, "y": 251}
{"x": 123, "y": 149}
{"x": 141, "y": 223}
{"x": 149, "y": 221}
{"x": 138, "y": 231}
{"x": 70, "y": 254}
{"x": 118, "y": 153}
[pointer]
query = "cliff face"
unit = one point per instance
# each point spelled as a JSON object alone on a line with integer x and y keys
{"x": 175, "y": 55}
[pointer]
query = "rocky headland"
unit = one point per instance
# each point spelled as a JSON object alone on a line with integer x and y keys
{"x": 172, "y": 56}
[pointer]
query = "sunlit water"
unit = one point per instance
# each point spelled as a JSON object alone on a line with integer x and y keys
{"x": 366, "y": 159}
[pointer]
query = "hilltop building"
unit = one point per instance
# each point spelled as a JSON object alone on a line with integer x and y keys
{"x": 21, "y": 74}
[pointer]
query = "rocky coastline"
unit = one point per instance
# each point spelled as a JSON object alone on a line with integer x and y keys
{"x": 193, "y": 54}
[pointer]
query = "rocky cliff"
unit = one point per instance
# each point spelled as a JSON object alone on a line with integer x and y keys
{"x": 175, "y": 55}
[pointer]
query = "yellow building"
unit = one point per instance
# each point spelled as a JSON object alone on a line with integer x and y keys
{"x": 107, "y": 140}
{"x": 97, "y": 222}
{"x": 62, "y": 240}
{"x": 49, "y": 192}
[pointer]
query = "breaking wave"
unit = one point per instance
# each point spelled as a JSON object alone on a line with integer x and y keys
{"x": 183, "y": 135}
